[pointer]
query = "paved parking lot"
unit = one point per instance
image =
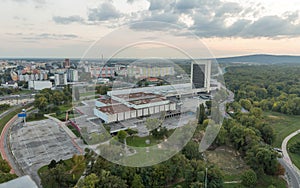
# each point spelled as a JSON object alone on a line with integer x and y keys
{"x": 39, "y": 142}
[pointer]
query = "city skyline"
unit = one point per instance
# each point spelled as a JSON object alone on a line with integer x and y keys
{"x": 41, "y": 28}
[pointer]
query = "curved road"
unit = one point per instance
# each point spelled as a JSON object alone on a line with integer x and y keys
{"x": 4, "y": 150}
{"x": 292, "y": 171}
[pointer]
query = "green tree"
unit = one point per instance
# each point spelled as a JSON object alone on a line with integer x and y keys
{"x": 41, "y": 103}
{"x": 257, "y": 112}
{"x": 137, "y": 182}
{"x": 191, "y": 151}
{"x": 89, "y": 181}
{"x": 249, "y": 178}
{"x": 122, "y": 136}
{"x": 245, "y": 103}
{"x": 106, "y": 180}
{"x": 78, "y": 164}
{"x": 152, "y": 123}
{"x": 201, "y": 114}
{"x": 267, "y": 133}
{"x": 160, "y": 132}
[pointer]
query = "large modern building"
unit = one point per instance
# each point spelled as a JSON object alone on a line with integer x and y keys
{"x": 124, "y": 104}
{"x": 200, "y": 74}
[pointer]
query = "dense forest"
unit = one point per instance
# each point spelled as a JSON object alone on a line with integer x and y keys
{"x": 270, "y": 87}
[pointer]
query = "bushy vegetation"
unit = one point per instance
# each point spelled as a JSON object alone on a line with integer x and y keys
{"x": 4, "y": 172}
{"x": 62, "y": 173}
{"x": 4, "y": 107}
{"x": 48, "y": 101}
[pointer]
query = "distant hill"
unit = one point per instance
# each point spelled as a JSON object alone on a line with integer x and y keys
{"x": 261, "y": 58}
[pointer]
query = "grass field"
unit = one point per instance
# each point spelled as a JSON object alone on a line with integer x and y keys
{"x": 294, "y": 157}
{"x": 233, "y": 167}
{"x": 140, "y": 141}
{"x": 283, "y": 125}
{"x": 228, "y": 161}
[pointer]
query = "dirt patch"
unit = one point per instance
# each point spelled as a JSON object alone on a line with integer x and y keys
{"x": 228, "y": 159}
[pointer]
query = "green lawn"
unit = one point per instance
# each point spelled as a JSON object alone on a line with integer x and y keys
{"x": 64, "y": 108}
{"x": 75, "y": 131}
{"x": 283, "y": 125}
{"x": 140, "y": 141}
{"x": 262, "y": 182}
{"x": 294, "y": 157}
{"x": 62, "y": 116}
{"x": 227, "y": 160}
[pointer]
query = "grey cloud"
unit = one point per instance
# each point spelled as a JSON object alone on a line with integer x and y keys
{"x": 161, "y": 4}
{"x": 210, "y": 17}
{"x": 229, "y": 8}
{"x": 272, "y": 26}
{"x": 67, "y": 20}
{"x": 106, "y": 11}
{"x": 42, "y": 36}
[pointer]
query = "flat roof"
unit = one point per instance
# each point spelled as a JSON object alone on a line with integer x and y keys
{"x": 24, "y": 181}
{"x": 146, "y": 101}
{"x": 138, "y": 95}
{"x": 108, "y": 101}
{"x": 114, "y": 109}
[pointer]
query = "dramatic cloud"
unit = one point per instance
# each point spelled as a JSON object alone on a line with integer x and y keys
{"x": 68, "y": 20}
{"x": 105, "y": 11}
{"x": 216, "y": 18}
{"x": 205, "y": 18}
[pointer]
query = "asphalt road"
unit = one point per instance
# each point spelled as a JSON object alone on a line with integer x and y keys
{"x": 9, "y": 110}
{"x": 292, "y": 171}
{"x": 12, "y": 161}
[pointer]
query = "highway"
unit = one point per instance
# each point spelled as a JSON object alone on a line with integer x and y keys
{"x": 292, "y": 171}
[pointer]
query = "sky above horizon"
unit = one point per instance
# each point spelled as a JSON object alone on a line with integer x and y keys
{"x": 140, "y": 28}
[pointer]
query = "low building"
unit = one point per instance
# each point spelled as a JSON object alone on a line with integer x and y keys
{"x": 39, "y": 85}
{"x": 127, "y": 106}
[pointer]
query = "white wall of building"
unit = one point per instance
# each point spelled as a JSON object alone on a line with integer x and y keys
{"x": 39, "y": 85}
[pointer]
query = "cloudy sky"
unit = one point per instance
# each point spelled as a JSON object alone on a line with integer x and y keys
{"x": 68, "y": 28}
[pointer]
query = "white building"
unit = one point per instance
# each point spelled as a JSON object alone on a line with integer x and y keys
{"x": 126, "y": 106}
{"x": 39, "y": 85}
{"x": 144, "y": 71}
{"x": 72, "y": 75}
{"x": 60, "y": 79}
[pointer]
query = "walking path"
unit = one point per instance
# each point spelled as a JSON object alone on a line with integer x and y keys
{"x": 292, "y": 171}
